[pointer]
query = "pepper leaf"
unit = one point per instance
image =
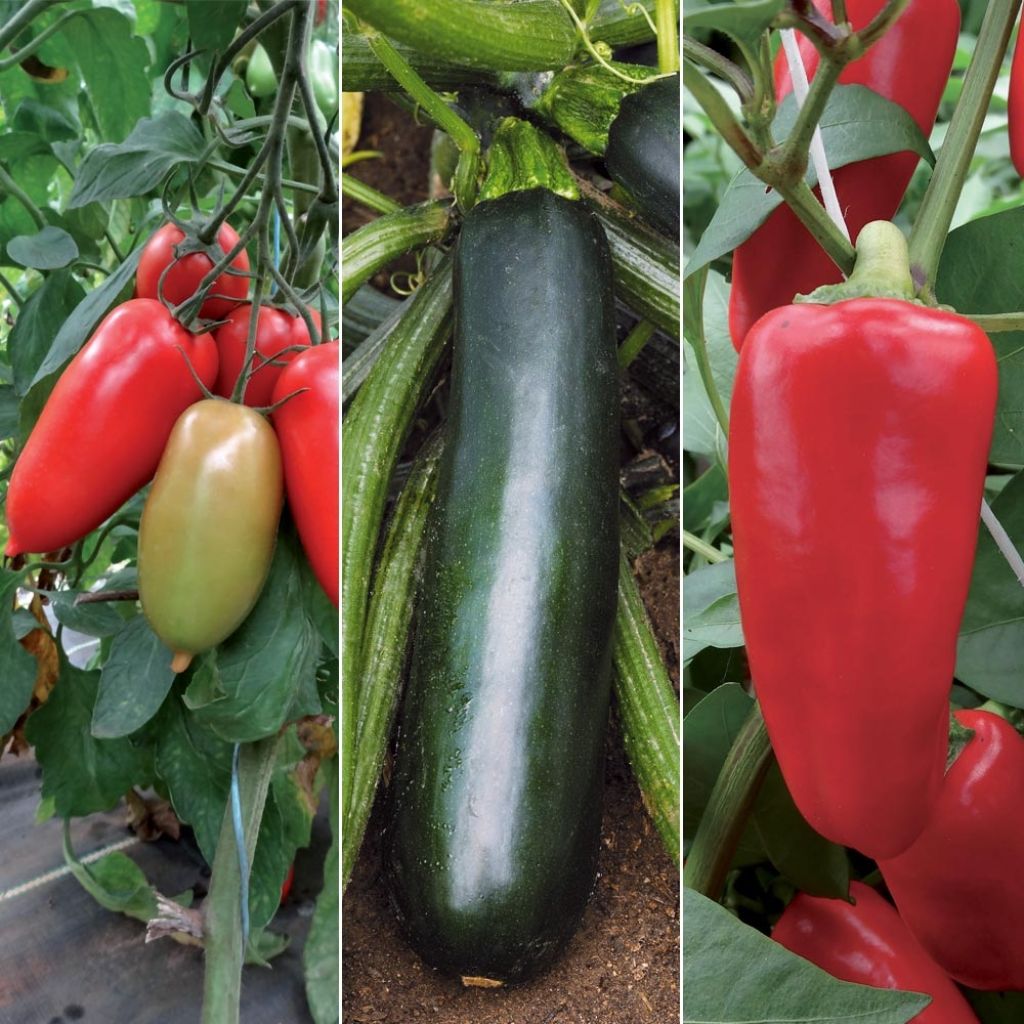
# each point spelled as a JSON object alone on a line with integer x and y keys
{"x": 734, "y": 973}
{"x": 990, "y": 649}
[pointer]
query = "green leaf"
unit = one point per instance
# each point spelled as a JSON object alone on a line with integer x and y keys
{"x": 48, "y": 249}
{"x": 114, "y": 64}
{"x": 92, "y": 619}
{"x": 139, "y": 164}
{"x": 805, "y": 858}
{"x": 82, "y": 321}
{"x": 321, "y": 957}
{"x": 711, "y": 611}
{"x": 285, "y": 827}
{"x": 18, "y": 675}
{"x": 709, "y": 491}
{"x": 195, "y": 766}
{"x": 741, "y": 19}
{"x": 8, "y": 410}
{"x": 980, "y": 273}
{"x": 735, "y": 974}
{"x": 116, "y": 883}
{"x": 39, "y": 322}
{"x": 857, "y": 124}
{"x": 702, "y": 434}
{"x": 264, "y": 674}
{"x": 213, "y": 26}
{"x": 990, "y": 650}
{"x": 134, "y": 681}
{"x": 80, "y": 773}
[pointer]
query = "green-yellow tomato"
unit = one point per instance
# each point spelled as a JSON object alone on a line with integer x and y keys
{"x": 209, "y": 526}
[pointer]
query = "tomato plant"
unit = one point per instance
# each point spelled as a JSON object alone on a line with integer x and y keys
{"x": 167, "y": 239}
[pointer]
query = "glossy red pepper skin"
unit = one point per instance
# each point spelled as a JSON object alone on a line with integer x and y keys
{"x": 183, "y": 278}
{"x": 960, "y": 887}
{"x": 909, "y": 65}
{"x": 276, "y": 331}
{"x": 1016, "y": 106}
{"x": 858, "y": 447}
{"x": 307, "y": 427}
{"x": 867, "y": 943}
{"x": 104, "y": 427}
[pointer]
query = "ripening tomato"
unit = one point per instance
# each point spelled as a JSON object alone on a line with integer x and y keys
{"x": 184, "y": 277}
{"x": 209, "y": 526}
{"x": 307, "y": 426}
{"x": 275, "y": 330}
{"x": 102, "y": 431}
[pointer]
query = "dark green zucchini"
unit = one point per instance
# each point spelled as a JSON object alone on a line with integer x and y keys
{"x": 495, "y": 808}
{"x": 643, "y": 151}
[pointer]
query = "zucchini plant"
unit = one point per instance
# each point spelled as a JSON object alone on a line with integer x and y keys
{"x": 492, "y": 588}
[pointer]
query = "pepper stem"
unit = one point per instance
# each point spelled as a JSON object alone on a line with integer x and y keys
{"x": 882, "y": 269}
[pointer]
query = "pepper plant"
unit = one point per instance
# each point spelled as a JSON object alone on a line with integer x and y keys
{"x": 828, "y": 644}
{"x": 169, "y": 243}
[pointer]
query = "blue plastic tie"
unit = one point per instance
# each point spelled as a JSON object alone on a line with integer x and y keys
{"x": 277, "y": 248}
{"x": 243, "y": 856}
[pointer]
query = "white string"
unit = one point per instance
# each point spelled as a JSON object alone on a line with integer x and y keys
{"x": 798, "y": 75}
{"x": 1003, "y": 542}
{"x": 51, "y": 876}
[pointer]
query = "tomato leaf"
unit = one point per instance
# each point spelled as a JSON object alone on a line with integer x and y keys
{"x": 137, "y": 165}
{"x": 75, "y": 330}
{"x": 82, "y": 774}
{"x": 264, "y": 674}
{"x": 49, "y": 249}
{"x": 135, "y": 679}
{"x": 19, "y": 667}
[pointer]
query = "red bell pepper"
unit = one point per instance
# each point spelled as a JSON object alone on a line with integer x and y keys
{"x": 1016, "y": 106}
{"x": 858, "y": 447}
{"x": 867, "y": 943}
{"x": 909, "y": 65}
{"x": 960, "y": 887}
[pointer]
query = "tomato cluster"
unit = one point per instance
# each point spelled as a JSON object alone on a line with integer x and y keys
{"x": 147, "y": 399}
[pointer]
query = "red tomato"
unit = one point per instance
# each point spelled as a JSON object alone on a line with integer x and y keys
{"x": 184, "y": 277}
{"x": 275, "y": 330}
{"x": 307, "y": 427}
{"x": 103, "y": 429}
{"x": 286, "y": 886}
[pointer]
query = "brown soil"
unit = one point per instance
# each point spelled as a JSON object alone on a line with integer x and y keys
{"x": 622, "y": 967}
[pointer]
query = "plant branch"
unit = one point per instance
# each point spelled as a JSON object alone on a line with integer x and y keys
{"x": 928, "y": 236}
{"x": 727, "y": 70}
{"x": 729, "y": 806}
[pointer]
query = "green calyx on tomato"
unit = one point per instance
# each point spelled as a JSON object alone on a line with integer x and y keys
{"x": 278, "y": 334}
{"x": 186, "y": 273}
